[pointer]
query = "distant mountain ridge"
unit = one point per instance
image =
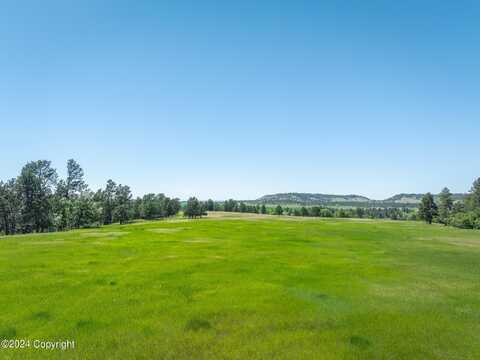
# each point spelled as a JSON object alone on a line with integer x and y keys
{"x": 417, "y": 198}
{"x": 309, "y": 197}
{"x": 399, "y": 200}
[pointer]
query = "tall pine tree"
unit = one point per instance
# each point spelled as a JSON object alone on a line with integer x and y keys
{"x": 428, "y": 209}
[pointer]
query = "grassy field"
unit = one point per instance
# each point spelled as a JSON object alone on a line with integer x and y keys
{"x": 245, "y": 287}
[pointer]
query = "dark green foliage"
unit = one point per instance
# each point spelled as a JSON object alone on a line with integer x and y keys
{"x": 473, "y": 198}
{"x": 315, "y": 211}
{"x": 123, "y": 205}
{"x": 74, "y": 184}
{"x": 243, "y": 207}
{"x": 428, "y": 209}
{"x": 36, "y": 201}
{"x": 210, "y": 205}
{"x": 328, "y": 213}
{"x": 108, "y": 201}
{"x": 74, "y": 204}
{"x": 152, "y": 206}
{"x": 36, "y": 187}
{"x": 230, "y": 205}
{"x": 465, "y": 215}
{"x": 465, "y": 220}
{"x": 360, "y": 212}
{"x": 10, "y": 207}
{"x": 445, "y": 206}
{"x": 320, "y": 211}
{"x": 137, "y": 208}
{"x": 278, "y": 210}
{"x": 86, "y": 212}
{"x": 173, "y": 206}
{"x": 304, "y": 211}
{"x": 193, "y": 208}
{"x": 155, "y": 206}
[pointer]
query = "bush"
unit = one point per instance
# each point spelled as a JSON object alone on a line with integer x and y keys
{"x": 465, "y": 220}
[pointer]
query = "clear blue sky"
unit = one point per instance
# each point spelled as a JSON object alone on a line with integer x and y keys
{"x": 241, "y": 98}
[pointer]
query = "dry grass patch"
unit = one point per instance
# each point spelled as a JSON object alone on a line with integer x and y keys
{"x": 197, "y": 241}
{"x": 50, "y": 242}
{"x": 454, "y": 241}
{"x": 101, "y": 234}
{"x": 168, "y": 230}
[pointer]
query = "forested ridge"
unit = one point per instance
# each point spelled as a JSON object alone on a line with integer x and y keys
{"x": 445, "y": 208}
{"x": 312, "y": 199}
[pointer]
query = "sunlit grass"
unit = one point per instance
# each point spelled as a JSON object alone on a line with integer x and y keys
{"x": 245, "y": 287}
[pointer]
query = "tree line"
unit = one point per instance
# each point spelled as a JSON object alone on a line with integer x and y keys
{"x": 37, "y": 200}
{"x": 314, "y": 211}
{"x": 463, "y": 214}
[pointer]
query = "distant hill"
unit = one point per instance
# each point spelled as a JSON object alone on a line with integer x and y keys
{"x": 416, "y": 198}
{"x": 399, "y": 200}
{"x": 405, "y": 199}
{"x": 307, "y": 198}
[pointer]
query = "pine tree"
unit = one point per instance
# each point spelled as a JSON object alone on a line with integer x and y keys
{"x": 193, "y": 208}
{"x": 445, "y": 205}
{"x": 123, "y": 204}
{"x": 210, "y": 205}
{"x": 36, "y": 185}
{"x": 74, "y": 184}
{"x": 278, "y": 210}
{"x": 473, "y": 199}
{"x": 428, "y": 209}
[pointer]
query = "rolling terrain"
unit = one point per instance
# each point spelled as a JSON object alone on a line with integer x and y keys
{"x": 310, "y": 199}
{"x": 238, "y": 286}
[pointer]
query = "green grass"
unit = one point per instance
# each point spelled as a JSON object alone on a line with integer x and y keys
{"x": 245, "y": 287}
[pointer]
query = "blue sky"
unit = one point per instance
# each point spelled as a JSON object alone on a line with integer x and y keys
{"x": 242, "y": 98}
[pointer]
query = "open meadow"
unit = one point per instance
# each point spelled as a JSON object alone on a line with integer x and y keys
{"x": 233, "y": 286}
